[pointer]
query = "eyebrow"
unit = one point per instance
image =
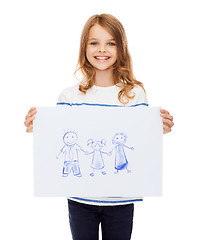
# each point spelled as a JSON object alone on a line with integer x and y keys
{"x": 112, "y": 39}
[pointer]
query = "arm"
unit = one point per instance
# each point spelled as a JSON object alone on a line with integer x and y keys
{"x": 128, "y": 147}
{"x": 105, "y": 153}
{"x": 61, "y": 151}
{"x": 110, "y": 152}
{"x": 88, "y": 152}
{"x": 79, "y": 148}
{"x": 58, "y": 155}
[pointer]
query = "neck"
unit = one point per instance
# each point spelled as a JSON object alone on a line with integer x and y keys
{"x": 104, "y": 78}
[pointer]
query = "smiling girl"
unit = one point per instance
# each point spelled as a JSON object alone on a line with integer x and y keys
{"x": 105, "y": 63}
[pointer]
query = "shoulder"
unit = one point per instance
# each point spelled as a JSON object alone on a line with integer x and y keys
{"x": 69, "y": 90}
{"x": 140, "y": 95}
{"x": 137, "y": 89}
{"x": 67, "y": 94}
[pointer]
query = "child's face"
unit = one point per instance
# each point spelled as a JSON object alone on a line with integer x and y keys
{"x": 101, "y": 44}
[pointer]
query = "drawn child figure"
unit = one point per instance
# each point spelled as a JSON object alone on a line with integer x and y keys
{"x": 70, "y": 151}
{"x": 108, "y": 80}
{"x": 97, "y": 159}
{"x": 121, "y": 161}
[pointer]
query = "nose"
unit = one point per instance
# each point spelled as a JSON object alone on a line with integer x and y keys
{"x": 102, "y": 48}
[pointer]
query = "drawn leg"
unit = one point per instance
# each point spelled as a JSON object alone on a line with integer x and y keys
{"x": 103, "y": 173}
{"x": 76, "y": 170}
{"x": 92, "y": 173}
{"x": 64, "y": 174}
{"x": 66, "y": 169}
{"x": 116, "y": 172}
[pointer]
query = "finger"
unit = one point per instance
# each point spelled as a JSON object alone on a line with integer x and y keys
{"x": 31, "y": 113}
{"x": 166, "y": 129}
{"x": 33, "y": 108}
{"x": 30, "y": 128}
{"x": 168, "y": 122}
{"x": 168, "y": 116}
{"x": 164, "y": 111}
{"x": 29, "y": 121}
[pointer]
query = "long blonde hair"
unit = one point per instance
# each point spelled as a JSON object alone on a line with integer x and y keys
{"x": 122, "y": 68}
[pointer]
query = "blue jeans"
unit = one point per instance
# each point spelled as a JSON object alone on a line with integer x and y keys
{"x": 116, "y": 221}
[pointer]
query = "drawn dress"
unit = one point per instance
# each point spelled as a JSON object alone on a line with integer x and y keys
{"x": 120, "y": 157}
{"x": 97, "y": 161}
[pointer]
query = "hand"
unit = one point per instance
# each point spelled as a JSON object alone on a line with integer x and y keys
{"x": 110, "y": 153}
{"x": 167, "y": 121}
{"x": 29, "y": 119}
{"x": 132, "y": 148}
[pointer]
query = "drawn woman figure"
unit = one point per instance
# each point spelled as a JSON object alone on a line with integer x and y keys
{"x": 121, "y": 161}
{"x": 70, "y": 150}
{"x": 97, "y": 160}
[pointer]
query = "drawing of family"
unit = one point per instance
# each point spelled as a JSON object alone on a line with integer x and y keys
{"x": 71, "y": 148}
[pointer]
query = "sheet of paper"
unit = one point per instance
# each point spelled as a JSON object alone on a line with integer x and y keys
{"x": 96, "y": 151}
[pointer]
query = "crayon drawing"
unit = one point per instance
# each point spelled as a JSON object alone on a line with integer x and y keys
{"x": 70, "y": 151}
{"x": 121, "y": 162}
{"x": 97, "y": 157}
{"x": 98, "y": 151}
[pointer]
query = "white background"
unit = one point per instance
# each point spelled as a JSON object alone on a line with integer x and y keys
{"x": 39, "y": 45}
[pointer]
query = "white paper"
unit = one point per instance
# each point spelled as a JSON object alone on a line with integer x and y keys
{"x": 97, "y": 151}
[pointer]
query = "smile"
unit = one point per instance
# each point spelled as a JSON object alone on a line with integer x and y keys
{"x": 101, "y": 58}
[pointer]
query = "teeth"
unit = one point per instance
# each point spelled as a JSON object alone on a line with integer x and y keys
{"x": 102, "y": 58}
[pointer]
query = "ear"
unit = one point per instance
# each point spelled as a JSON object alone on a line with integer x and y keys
{"x": 103, "y": 142}
{"x": 90, "y": 141}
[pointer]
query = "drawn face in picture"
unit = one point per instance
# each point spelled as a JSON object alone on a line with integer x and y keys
{"x": 70, "y": 138}
{"x": 96, "y": 145}
{"x": 119, "y": 138}
{"x": 101, "y": 49}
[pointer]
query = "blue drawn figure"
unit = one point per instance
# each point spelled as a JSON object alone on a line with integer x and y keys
{"x": 97, "y": 160}
{"x": 121, "y": 161}
{"x": 70, "y": 151}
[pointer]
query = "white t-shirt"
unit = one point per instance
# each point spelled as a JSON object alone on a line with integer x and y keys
{"x": 102, "y": 96}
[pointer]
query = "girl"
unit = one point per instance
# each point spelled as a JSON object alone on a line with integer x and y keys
{"x": 105, "y": 63}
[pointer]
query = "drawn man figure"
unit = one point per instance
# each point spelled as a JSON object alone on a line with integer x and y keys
{"x": 121, "y": 161}
{"x": 70, "y": 151}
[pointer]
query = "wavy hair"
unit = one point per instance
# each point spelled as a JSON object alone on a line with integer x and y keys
{"x": 122, "y": 68}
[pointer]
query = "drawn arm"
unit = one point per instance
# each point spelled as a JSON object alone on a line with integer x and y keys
{"x": 105, "y": 152}
{"x": 128, "y": 147}
{"x": 61, "y": 151}
{"x": 58, "y": 155}
{"x": 109, "y": 153}
{"x": 88, "y": 152}
{"x": 79, "y": 148}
